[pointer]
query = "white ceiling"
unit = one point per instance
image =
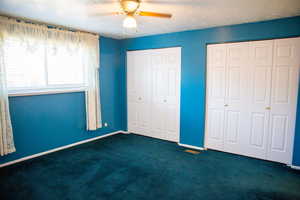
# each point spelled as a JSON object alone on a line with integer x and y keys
{"x": 187, "y": 14}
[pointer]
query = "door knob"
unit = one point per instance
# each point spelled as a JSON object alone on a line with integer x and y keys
{"x": 140, "y": 98}
{"x": 226, "y": 105}
{"x": 268, "y": 108}
{"x": 165, "y": 101}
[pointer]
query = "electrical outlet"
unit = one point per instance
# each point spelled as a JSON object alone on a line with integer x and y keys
{"x": 105, "y": 124}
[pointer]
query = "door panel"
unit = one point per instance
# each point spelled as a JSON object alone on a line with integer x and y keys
{"x": 216, "y": 75}
{"x": 131, "y": 78}
{"x": 285, "y": 82}
{"x": 234, "y": 77}
{"x": 258, "y": 124}
{"x": 138, "y": 92}
{"x": 144, "y": 118}
{"x": 233, "y": 126}
{"x": 158, "y": 120}
{"x": 282, "y": 83}
{"x": 258, "y": 99}
{"x": 236, "y": 88}
{"x": 215, "y": 128}
{"x": 279, "y": 132}
{"x": 133, "y": 117}
{"x": 261, "y": 85}
{"x": 171, "y": 100}
{"x": 215, "y": 98}
{"x": 218, "y": 84}
{"x": 158, "y": 117}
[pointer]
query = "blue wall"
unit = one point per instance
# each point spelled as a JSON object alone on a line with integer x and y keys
{"x": 44, "y": 122}
{"x": 193, "y": 45}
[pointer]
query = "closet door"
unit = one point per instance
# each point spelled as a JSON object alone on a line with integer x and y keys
{"x": 285, "y": 82}
{"x": 216, "y": 96}
{"x": 138, "y": 91}
{"x": 226, "y": 93}
{"x": 166, "y": 93}
{"x": 258, "y": 99}
{"x": 159, "y": 83}
{"x": 252, "y": 98}
{"x": 153, "y": 92}
{"x": 172, "y": 95}
{"x": 236, "y": 96}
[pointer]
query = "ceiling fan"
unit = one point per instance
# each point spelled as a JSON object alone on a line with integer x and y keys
{"x": 130, "y": 9}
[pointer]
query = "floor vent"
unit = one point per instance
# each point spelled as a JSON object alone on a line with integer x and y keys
{"x": 191, "y": 151}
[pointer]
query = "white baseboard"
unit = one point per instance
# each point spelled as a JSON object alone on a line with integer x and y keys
{"x": 126, "y": 132}
{"x": 58, "y": 149}
{"x": 191, "y": 146}
{"x": 294, "y": 167}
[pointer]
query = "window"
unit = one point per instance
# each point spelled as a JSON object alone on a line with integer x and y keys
{"x": 42, "y": 59}
{"x": 37, "y": 65}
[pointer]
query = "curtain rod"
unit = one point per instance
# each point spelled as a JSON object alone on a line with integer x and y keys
{"x": 31, "y": 21}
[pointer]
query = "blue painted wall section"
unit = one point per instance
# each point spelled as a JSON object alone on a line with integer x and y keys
{"x": 193, "y": 72}
{"x": 44, "y": 122}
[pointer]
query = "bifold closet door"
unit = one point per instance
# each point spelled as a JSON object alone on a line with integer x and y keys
{"x": 165, "y": 94}
{"x": 162, "y": 67}
{"x": 227, "y": 77}
{"x": 257, "y": 103}
{"x": 215, "y": 96}
{"x": 283, "y": 105}
{"x": 252, "y": 98}
{"x": 236, "y": 95}
{"x": 139, "y": 91}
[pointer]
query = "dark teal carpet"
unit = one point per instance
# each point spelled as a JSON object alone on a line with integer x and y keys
{"x": 136, "y": 167}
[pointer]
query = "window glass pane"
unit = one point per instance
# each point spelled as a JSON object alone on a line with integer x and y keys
{"x": 33, "y": 64}
{"x": 65, "y": 65}
{"x": 25, "y": 65}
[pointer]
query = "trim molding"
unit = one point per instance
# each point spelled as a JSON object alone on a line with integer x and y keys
{"x": 45, "y": 92}
{"x": 294, "y": 167}
{"x": 58, "y": 149}
{"x": 126, "y": 132}
{"x": 191, "y": 146}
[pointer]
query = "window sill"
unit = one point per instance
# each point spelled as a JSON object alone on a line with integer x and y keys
{"x": 45, "y": 91}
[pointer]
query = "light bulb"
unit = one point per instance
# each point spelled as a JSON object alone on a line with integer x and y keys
{"x": 130, "y": 5}
{"x": 129, "y": 22}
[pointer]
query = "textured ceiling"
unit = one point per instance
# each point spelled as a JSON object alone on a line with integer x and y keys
{"x": 187, "y": 14}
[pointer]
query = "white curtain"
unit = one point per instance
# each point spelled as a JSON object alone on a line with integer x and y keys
{"x": 93, "y": 91}
{"x": 53, "y": 40}
{"x": 6, "y": 134}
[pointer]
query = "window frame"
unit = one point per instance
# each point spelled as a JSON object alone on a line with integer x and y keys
{"x": 44, "y": 91}
{"x": 49, "y": 88}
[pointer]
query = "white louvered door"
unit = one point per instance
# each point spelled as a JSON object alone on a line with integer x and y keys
{"x": 156, "y": 71}
{"x": 260, "y": 80}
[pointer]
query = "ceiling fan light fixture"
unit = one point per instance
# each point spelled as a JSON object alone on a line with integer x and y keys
{"x": 129, "y": 22}
{"x": 130, "y": 5}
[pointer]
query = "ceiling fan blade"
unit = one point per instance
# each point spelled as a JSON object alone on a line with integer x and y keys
{"x": 104, "y": 14}
{"x": 101, "y": 1}
{"x": 154, "y": 14}
{"x": 174, "y": 2}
